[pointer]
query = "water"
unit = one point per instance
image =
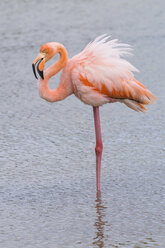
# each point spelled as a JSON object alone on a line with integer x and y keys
{"x": 47, "y": 173}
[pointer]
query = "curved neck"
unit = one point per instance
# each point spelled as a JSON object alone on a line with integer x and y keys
{"x": 62, "y": 91}
{"x": 57, "y": 66}
{"x": 55, "y": 95}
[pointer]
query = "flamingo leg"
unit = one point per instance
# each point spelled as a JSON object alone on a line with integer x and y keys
{"x": 99, "y": 145}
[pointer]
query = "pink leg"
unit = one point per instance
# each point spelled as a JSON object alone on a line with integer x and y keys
{"x": 99, "y": 145}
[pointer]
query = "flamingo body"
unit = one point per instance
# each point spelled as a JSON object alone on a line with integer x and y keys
{"x": 97, "y": 75}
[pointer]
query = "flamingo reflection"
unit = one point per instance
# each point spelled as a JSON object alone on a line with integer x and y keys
{"x": 99, "y": 223}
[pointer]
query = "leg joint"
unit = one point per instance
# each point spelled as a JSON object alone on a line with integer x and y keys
{"x": 99, "y": 148}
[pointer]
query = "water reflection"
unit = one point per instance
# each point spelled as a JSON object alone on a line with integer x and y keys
{"x": 99, "y": 223}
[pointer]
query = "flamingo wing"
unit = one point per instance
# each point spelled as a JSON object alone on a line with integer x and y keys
{"x": 100, "y": 75}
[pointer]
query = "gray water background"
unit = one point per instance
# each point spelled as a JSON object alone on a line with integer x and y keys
{"x": 47, "y": 172}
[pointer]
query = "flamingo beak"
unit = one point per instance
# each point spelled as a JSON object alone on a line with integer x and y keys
{"x": 40, "y": 61}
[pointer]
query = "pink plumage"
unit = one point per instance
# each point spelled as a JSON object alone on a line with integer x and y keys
{"x": 101, "y": 75}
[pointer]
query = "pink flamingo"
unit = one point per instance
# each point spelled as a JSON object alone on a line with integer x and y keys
{"x": 97, "y": 75}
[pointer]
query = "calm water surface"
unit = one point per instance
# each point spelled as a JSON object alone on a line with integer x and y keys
{"x": 47, "y": 172}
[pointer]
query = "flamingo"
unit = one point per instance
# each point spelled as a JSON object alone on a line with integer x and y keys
{"x": 97, "y": 75}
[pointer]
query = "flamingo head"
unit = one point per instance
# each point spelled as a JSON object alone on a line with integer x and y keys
{"x": 47, "y": 51}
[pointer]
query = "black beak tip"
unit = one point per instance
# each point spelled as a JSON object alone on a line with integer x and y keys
{"x": 41, "y": 74}
{"x": 34, "y": 71}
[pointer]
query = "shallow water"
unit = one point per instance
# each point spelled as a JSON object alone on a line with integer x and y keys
{"x": 47, "y": 173}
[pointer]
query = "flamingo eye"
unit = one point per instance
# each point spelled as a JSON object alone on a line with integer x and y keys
{"x": 44, "y": 51}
